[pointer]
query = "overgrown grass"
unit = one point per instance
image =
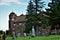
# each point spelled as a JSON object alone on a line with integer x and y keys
{"x": 51, "y": 37}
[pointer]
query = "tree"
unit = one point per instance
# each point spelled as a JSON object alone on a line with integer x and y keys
{"x": 29, "y": 16}
{"x": 30, "y": 8}
{"x": 22, "y": 15}
{"x": 54, "y": 12}
{"x": 41, "y": 17}
{"x": 33, "y": 18}
{"x": 39, "y": 5}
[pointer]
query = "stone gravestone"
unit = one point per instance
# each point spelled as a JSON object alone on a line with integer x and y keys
{"x": 33, "y": 31}
{"x": 25, "y": 34}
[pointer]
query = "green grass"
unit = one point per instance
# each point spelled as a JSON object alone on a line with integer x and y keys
{"x": 51, "y": 37}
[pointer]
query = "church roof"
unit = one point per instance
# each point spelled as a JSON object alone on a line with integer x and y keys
{"x": 20, "y": 18}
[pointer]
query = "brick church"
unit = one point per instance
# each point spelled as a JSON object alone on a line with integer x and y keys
{"x": 16, "y": 24}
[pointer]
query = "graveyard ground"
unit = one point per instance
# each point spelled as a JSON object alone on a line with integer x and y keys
{"x": 51, "y": 37}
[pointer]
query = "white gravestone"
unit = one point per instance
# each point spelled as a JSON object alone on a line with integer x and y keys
{"x": 33, "y": 31}
{"x": 24, "y": 34}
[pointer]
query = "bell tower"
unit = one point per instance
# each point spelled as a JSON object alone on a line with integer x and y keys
{"x": 12, "y": 18}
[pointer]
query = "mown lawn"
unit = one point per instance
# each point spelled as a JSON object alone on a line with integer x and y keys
{"x": 51, "y": 37}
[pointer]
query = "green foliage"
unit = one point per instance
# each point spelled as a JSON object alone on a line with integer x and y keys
{"x": 54, "y": 12}
{"x": 1, "y": 32}
{"x": 39, "y": 5}
{"x": 44, "y": 21}
{"x": 29, "y": 17}
{"x": 33, "y": 18}
{"x": 30, "y": 8}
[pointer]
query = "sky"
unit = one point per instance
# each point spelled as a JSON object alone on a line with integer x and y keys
{"x": 8, "y": 6}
